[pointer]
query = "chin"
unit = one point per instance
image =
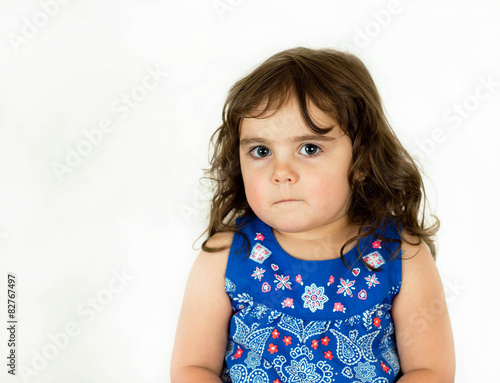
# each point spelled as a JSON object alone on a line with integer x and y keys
{"x": 287, "y": 225}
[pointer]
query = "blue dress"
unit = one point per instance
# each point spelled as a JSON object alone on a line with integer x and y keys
{"x": 310, "y": 321}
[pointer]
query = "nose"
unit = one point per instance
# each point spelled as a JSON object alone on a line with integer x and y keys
{"x": 284, "y": 172}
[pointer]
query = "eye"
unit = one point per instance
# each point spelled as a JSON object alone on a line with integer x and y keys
{"x": 259, "y": 152}
{"x": 311, "y": 150}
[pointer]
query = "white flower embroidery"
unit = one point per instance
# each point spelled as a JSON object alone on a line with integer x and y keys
{"x": 314, "y": 297}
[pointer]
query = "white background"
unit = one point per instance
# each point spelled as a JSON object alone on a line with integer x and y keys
{"x": 132, "y": 205}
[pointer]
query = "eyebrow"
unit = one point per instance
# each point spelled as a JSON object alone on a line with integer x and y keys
{"x": 311, "y": 137}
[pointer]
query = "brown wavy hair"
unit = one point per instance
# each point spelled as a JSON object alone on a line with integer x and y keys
{"x": 338, "y": 83}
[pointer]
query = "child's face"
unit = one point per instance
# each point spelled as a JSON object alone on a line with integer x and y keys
{"x": 312, "y": 172}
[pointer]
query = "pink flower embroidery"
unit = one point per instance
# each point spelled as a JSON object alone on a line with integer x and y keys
{"x": 282, "y": 282}
{"x": 259, "y": 237}
{"x": 258, "y": 273}
{"x": 272, "y": 348}
{"x": 314, "y": 344}
{"x": 345, "y": 287}
{"x": 384, "y": 367}
{"x": 288, "y": 302}
{"x": 259, "y": 253}
{"x": 374, "y": 259}
{"x": 337, "y": 306}
{"x": 376, "y": 321}
{"x": 372, "y": 281}
{"x": 376, "y": 244}
{"x": 325, "y": 340}
{"x": 328, "y": 355}
{"x": 331, "y": 280}
{"x": 275, "y": 334}
{"x": 238, "y": 353}
{"x": 287, "y": 340}
{"x": 298, "y": 279}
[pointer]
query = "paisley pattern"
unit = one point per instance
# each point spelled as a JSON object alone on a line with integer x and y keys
{"x": 306, "y": 323}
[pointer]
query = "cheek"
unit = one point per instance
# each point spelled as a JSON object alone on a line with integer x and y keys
{"x": 326, "y": 187}
{"x": 254, "y": 188}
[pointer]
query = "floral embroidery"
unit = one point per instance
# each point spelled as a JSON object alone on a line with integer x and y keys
{"x": 364, "y": 371}
{"x": 282, "y": 282}
{"x": 238, "y": 353}
{"x": 259, "y": 311}
{"x": 302, "y": 371}
{"x": 272, "y": 348}
{"x": 372, "y": 280}
{"x": 363, "y": 347}
{"x": 288, "y": 302}
{"x": 374, "y": 259}
{"x": 258, "y": 273}
{"x": 253, "y": 360}
{"x": 391, "y": 356}
{"x": 260, "y": 253}
{"x": 384, "y": 367}
{"x": 314, "y": 297}
{"x": 296, "y": 327}
{"x": 337, "y": 306}
{"x": 266, "y": 287}
{"x": 298, "y": 279}
{"x": 380, "y": 311}
{"x": 345, "y": 287}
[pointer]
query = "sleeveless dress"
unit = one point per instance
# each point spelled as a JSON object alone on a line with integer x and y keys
{"x": 310, "y": 321}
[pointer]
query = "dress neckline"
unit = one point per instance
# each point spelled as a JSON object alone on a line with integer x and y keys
{"x": 271, "y": 235}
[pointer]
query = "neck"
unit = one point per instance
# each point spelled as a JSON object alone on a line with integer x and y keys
{"x": 326, "y": 241}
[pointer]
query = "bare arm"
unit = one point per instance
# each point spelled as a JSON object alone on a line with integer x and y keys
{"x": 202, "y": 331}
{"x": 422, "y": 324}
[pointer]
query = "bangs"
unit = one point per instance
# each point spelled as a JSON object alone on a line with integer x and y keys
{"x": 262, "y": 94}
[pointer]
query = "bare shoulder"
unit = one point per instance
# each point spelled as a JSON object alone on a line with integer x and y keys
{"x": 417, "y": 260}
{"x": 422, "y": 324}
{"x": 205, "y": 297}
{"x": 224, "y": 238}
{"x": 216, "y": 262}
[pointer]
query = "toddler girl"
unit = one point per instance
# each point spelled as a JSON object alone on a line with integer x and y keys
{"x": 318, "y": 266}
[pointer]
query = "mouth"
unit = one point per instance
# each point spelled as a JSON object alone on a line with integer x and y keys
{"x": 287, "y": 200}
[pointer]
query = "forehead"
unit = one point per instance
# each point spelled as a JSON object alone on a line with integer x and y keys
{"x": 287, "y": 121}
